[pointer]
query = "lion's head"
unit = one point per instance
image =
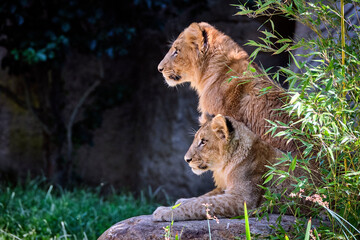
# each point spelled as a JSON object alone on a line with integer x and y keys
{"x": 211, "y": 142}
{"x": 181, "y": 62}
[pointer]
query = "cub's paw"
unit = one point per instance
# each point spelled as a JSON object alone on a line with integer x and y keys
{"x": 162, "y": 214}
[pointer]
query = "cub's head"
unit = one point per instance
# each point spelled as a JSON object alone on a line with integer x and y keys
{"x": 183, "y": 60}
{"x": 210, "y": 145}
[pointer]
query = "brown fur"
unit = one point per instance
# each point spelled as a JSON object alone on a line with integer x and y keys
{"x": 203, "y": 56}
{"x": 237, "y": 158}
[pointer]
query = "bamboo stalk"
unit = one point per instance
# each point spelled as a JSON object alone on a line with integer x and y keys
{"x": 342, "y": 33}
{"x": 343, "y": 51}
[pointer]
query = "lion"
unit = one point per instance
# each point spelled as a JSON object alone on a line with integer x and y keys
{"x": 207, "y": 59}
{"x": 238, "y": 158}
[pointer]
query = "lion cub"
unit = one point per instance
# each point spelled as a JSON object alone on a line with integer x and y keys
{"x": 237, "y": 158}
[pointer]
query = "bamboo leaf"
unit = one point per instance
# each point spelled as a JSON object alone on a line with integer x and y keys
{"x": 269, "y": 34}
{"x": 294, "y": 60}
{"x": 255, "y": 53}
{"x": 272, "y": 25}
{"x": 266, "y": 40}
{"x": 284, "y": 40}
{"x": 280, "y": 50}
{"x": 293, "y": 164}
{"x": 329, "y": 84}
{"x": 268, "y": 179}
{"x": 294, "y": 98}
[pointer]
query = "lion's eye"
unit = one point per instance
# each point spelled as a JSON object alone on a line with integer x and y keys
{"x": 201, "y": 142}
{"x": 175, "y": 53}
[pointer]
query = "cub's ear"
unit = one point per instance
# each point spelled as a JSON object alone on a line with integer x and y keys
{"x": 197, "y": 36}
{"x": 221, "y": 126}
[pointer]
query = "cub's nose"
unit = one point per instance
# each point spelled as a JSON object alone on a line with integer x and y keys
{"x": 160, "y": 68}
{"x": 187, "y": 159}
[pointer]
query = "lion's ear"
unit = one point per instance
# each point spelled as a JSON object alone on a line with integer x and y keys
{"x": 205, "y": 117}
{"x": 197, "y": 36}
{"x": 221, "y": 126}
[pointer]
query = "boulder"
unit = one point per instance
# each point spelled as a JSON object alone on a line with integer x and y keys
{"x": 142, "y": 227}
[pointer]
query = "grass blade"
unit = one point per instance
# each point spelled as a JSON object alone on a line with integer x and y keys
{"x": 247, "y": 226}
{"x": 307, "y": 234}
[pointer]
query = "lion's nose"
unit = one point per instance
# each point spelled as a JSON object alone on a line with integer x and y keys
{"x": 160, "y": 68}
{"x": 187, "y": 159}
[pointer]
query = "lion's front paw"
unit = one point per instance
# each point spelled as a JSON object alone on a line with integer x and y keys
{"x": 162, "y": 214}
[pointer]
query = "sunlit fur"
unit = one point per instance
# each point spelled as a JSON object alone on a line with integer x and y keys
{"x": 207, "y": 58}
{"x": 238, "y": 158}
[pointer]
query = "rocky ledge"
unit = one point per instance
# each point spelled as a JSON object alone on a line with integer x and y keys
{"x": 142, "y": 227}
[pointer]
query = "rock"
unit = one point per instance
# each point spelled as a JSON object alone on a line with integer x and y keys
{"x": 142, "y": 227}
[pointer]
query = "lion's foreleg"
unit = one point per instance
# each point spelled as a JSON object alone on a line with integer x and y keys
{"x": 214, "y": 192}
{"x": 221, "y": 206}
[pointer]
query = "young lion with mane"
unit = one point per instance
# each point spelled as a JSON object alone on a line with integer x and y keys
{"x": 207, "y": 58}
{"x": 238, "y": 158}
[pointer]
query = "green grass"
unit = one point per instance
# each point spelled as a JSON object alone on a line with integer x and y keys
{"x": 35, "y": 211}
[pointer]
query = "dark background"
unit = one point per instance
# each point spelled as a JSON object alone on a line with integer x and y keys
{"x": 87, "y": 71}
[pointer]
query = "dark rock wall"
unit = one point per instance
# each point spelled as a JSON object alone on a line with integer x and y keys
{"x": 142, "y": 141}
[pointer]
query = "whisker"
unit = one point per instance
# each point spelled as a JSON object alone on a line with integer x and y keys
{"x": 192, "y": 132}
{"x": 171, "y": 42}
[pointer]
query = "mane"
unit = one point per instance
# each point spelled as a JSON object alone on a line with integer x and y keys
{"x": 225, "y": 55}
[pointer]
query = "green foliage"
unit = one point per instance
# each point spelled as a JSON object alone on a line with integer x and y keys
{"x": 40, "y": 211}
{"x": 324, "y": 99}
{"x": 41, "y": 31}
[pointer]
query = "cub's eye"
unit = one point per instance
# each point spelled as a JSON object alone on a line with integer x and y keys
{"x": 202, "y": 142}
